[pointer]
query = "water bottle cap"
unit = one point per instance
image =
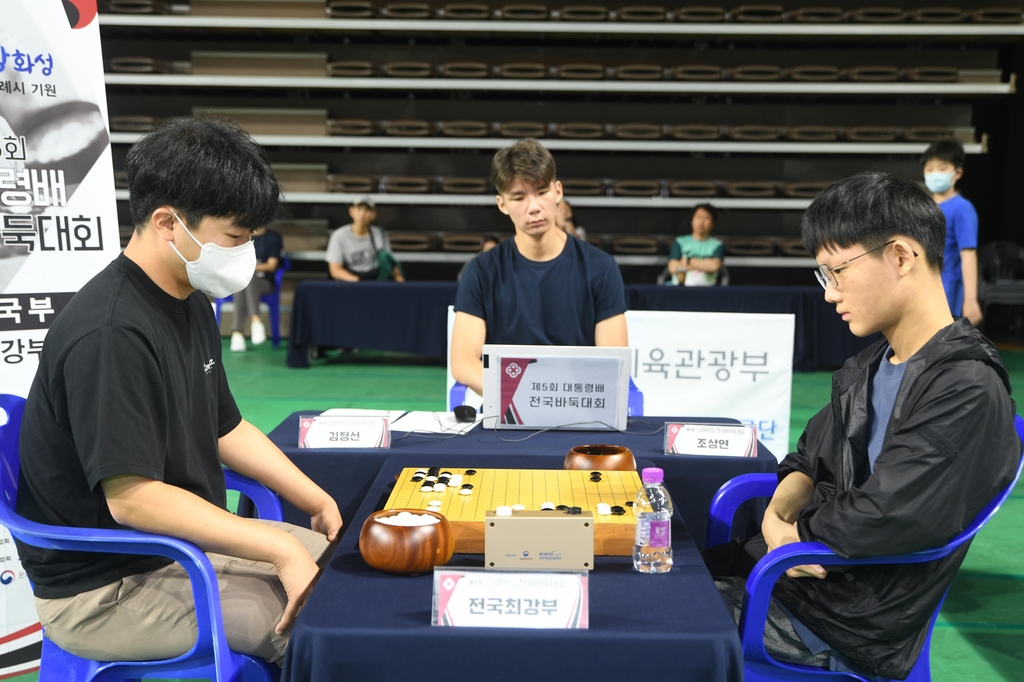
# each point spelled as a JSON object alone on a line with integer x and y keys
{"x": 652, "y": 475}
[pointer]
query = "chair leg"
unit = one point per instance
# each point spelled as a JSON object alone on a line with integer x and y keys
{"x": 275, "y": 320}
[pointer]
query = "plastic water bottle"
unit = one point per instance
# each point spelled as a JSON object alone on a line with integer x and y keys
{"x": 652, "y": 547}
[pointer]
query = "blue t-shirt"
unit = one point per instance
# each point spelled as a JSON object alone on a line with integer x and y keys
{"x": 961, "y": 233}
{"x": 885, "y": 384}
{"x": 557, "y": 302}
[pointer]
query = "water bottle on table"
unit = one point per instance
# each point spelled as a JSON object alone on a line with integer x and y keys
{"x": 652, "y": 547}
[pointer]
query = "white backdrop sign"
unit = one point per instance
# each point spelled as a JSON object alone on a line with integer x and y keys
{"x": 737, "y": 365}
{"x": 58, "y": 219}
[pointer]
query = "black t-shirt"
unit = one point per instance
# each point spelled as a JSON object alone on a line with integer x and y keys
{"x": 130, "y": 381}
{"x": 557, "y": 302}
{"x": 268, "y": 245}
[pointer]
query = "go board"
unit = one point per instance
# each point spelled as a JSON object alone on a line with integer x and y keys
{"x": 492, "y": 488}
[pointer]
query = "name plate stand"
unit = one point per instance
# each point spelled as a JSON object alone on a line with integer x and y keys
{"x": 722, "y": 440}
{"x": 320, "y": 431}
{"x": 510, "y": 599}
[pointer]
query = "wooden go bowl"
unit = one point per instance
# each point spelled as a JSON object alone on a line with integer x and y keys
{"x": 601, "y": 457}
{"x": 406, "y": 549}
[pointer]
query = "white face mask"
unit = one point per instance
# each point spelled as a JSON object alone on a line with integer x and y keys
{"x": 220, "y": 270}
{"x": 938, "y": 183}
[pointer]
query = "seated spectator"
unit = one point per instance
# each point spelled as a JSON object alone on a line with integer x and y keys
{"x": 564, "y": 219}
{"x": 918, "y": 438}
{"x": 540, "y": 287}
{"x": 247, "y": 301}
{"x": 695, "y": 259}
{"x": 360, "y": 250}
{"x": 486, "y": 244}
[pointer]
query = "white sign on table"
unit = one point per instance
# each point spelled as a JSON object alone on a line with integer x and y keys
{"x": 320, "y": 431}
{"x": 510, "y": 599}
{"x": 710, "y": 439}
{"x": 737, "y": 365}
{"x": 559, "y": 392}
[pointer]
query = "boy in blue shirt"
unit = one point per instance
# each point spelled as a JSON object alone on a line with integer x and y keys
{"x": 943, "y": 165}
{"x": 696, "y": 259}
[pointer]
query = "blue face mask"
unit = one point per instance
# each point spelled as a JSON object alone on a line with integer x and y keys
{"x": 938, "y": 183}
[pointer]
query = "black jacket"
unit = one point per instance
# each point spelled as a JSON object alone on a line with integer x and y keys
{"x": 950, "y": 447}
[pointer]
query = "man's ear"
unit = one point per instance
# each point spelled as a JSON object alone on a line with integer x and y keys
{"x": 558, "y": 191}
{"x": 959, "y": 174}
{"x": 907, "y": 256}
{"x": 162, "y": 222}
{"x": 501, "y": 203}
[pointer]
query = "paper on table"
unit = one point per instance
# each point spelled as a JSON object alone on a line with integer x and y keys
{"x": 392, "y": 415}
{"x": 433, "y": 422}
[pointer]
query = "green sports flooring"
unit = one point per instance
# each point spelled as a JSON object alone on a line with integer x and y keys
{"x": 979, "y": 635}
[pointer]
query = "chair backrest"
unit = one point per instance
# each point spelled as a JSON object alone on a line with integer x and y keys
{"x": 10, "y": 459}
{"x": 1000, "y": 260}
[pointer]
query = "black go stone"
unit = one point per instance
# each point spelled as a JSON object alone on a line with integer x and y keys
{"x": 467, "y": 486}
{"x": 630, "y": 503}
{"x": 618, "y": 512}
{"x": 562, "y": 507}
{"x": 470, "y": 472}
{"x": 416, "y": 479}
{"x": 575, "y": 510}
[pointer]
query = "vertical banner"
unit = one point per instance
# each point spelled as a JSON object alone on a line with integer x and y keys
{"x": 737, "y": 365}
{"x": 58, "y": 220}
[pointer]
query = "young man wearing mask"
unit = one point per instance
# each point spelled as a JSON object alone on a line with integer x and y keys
{"x": 130, "y": 418}
{"x": 943, "y": 166}
{"x": 541, "y": 287}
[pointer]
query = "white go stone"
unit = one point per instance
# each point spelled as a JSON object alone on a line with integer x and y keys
{"x": 503, "y": 511}
{"x": 518, "y": 507}
{"x": 604, "y": 509}
{"x": 465, "y": 491}
{"x": 439, "y": 487}
{"x": 547, "y": 506}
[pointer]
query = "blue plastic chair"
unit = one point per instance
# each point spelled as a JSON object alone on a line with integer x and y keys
{"x": 210, "y": 658}
{"x": 273, "y": 301}
{"x": 758, "y": 665}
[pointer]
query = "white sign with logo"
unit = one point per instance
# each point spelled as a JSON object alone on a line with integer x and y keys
{"x": 319, "y": 431}
{"x": 58, "y": 219}
{"x": 737, "y": 365}
{"x": 510, "y": 599}
{"x": 710, "y": 439}
{"x": 559, "y": 392}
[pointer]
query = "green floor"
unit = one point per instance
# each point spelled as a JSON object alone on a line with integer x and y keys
{"x": 979, "y": 635}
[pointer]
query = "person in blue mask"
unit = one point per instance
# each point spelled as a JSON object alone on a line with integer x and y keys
{"x": 943, "y": 166}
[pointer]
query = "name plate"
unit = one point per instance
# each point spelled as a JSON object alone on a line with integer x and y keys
{"x": 729, "y": 440}
{"x": 510, "y": 599}
{"x": 559, "y": 392}
{"x": 320, "y": 431}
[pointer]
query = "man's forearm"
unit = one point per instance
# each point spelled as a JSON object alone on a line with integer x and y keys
{"x": 470, "y": 373}
{"x": 969, "y": 270}
{"x": 795, "y": 492}
{"x": 246, "y": 450}
{"x": 339, "y": 273}
{"x": 706, "y": 264}
{"x": 155, "y": 507}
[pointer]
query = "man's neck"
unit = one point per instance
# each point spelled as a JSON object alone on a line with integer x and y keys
{"x": 360, "y": 230}
{"x": 547, "y": 246}
{"x": 945, "y": 196}
{"x": 919, "y": 324}
{"x": 699, "y": 239}
{"x": 141, "y": 251}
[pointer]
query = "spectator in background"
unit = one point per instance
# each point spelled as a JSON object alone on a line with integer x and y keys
{"x": 360, "y": 250}
{"x": 564, "y": 219}
{"x": 247, "y": 301}
{"x": 486, "y": 244}
{"x": 695, "y": 259}
{"x": 943, "y": 165}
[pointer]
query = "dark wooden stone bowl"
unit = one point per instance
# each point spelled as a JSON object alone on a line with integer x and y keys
{"x": 600, "y": 457}
{"x": 406, "y": 549}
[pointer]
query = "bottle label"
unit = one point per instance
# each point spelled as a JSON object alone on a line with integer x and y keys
{"x": 661, "y": 535}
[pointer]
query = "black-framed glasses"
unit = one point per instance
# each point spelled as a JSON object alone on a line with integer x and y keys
{"x": 826, "y": 275}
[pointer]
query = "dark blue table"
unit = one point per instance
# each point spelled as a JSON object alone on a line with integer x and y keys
{"x": 412, "y": 317}
{"x": 691, "y": 480}
{"x": 361, "y": 624}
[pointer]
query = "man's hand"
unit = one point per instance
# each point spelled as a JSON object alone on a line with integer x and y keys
{"x": 972, "y": 311}
{"x": 327, "y": 520}
{"x": 298, "y": 573}
{"x": 778, "y": 533}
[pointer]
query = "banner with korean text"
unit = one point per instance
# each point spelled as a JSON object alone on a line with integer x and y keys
{"x": 58, "y": 220}
{"x": 737, "y": 365}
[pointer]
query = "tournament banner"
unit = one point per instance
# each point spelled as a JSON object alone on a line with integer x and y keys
{"x": 737, "y": 365}
{"x": 553, "y": 392}
{"x": 58, "y": 220}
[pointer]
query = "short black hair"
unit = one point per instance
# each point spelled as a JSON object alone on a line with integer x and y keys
{"x": 203, "y": 167}
{"x": 705, "y": 207}
{"x": 870, "y": 209}
{"x": 950, "y": 151}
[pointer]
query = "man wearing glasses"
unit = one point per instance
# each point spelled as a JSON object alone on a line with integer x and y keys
{"x": 917, "y": 439}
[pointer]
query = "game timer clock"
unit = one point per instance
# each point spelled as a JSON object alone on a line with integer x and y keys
{"x": 409, "y": 541}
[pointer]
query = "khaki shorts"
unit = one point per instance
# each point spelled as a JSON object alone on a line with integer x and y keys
{"x": 151, "y": 616}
